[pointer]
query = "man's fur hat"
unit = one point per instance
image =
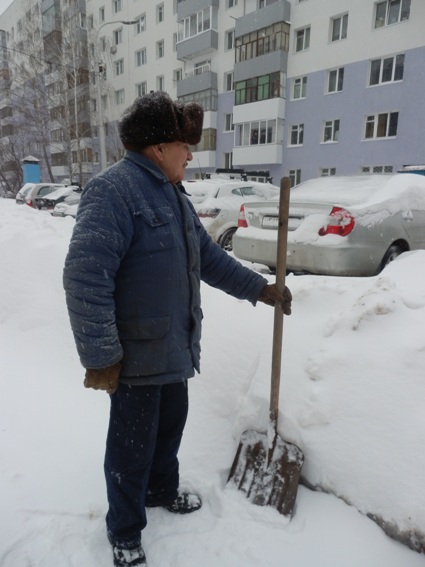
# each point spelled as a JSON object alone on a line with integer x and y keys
{"x": 154, "y": 119}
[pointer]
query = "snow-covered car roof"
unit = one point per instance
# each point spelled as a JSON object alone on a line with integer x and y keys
{"x": 63, "y": 191}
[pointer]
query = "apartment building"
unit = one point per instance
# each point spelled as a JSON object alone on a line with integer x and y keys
{"x": 356, "y": 87}
{"x": 301, "y": 88}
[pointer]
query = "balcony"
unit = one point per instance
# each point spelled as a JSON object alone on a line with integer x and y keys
{"x": 197, "y": 80}
{"x": 200, "y": 44}
{"x": 258, "y": 19}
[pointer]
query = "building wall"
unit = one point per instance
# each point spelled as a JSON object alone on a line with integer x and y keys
{"x": 357, "y": 100}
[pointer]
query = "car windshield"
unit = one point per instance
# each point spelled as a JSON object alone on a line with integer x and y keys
{"x": 26, "y": 189}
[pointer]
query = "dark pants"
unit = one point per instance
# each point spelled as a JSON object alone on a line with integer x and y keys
{"x": 141, "y": 466}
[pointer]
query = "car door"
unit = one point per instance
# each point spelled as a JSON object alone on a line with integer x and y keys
{"x": 413, "y": 221}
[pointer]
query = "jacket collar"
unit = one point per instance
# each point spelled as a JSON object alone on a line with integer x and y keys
{"x": 146, "y": 163}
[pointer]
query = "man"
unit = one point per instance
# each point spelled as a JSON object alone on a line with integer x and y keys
{"x": 132, "y": 281}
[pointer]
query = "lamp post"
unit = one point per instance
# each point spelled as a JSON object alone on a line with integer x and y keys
{"x": 100, "y": 69}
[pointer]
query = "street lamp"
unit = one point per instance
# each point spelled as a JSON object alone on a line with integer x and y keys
{"x": 101, "y": 127}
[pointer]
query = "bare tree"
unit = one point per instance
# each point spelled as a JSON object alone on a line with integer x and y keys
{"x": 24, "y": 115}
{"x": 48, "y": 94}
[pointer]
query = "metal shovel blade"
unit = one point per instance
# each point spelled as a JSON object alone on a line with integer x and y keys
{"x": 267, "y": 477}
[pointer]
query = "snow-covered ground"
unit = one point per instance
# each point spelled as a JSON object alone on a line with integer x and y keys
{"x": 352, "y": 398}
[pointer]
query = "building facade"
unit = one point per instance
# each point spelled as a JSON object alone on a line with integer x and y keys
{"x": 298, "y": 88}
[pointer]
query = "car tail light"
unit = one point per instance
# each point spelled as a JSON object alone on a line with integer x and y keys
{"x": 208, "y": 213}
{"x": 242, "y": 218}
{"x": 29, "y": 203}
{"x": 341, "y": 222}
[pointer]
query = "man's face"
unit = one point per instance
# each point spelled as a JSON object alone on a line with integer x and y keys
{"x": 176, "y": 155}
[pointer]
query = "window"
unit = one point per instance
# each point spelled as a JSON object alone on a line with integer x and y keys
{"x": 335, "y": 80}
{"x": 118, "y": 36}
{"x": 228, "y": 82}
{"x": 264, "y": 3}
{"x": 386, "y": 70}
{"x": 228, "y": 123}
{"x": 299, "y": 88}
{"x": 231, "y": 3}
{"x": 119, "y": 67}
{"x": 141, "y": 88}
{"x": 381, "y": 125}
{"x": 160, "y": 49}
{"x": 339, "y": 27}
{"x": 200, "y": 68}
{"x": 260, "y": 88}
{"x": 141, "y": 24}
{"x": 207, "y": 99}
{"x": 259, "y": 132}
{"x": 159, "y": 13}
{"x": 160, "y": 83}
{"x": 228, "y": 160}
{"x": 265, "y": 40}
{"x": 294, "y": 177}
{"x": 102, "y": 14}
{"x": 391, "y": 12}
{"x": 177, "y": 75}
{"x": 229, "y": 40}
{"x": 141, "y": 57}
{"x": 302, "y": 39}
{"x": 327, "y": 171}
{"x": 197, "y": 23}
{"x": 297, "y": 135}
{"x": 377, "y": 169}
{"x": 116, "y": 6}
{"x": 208, "y": 141}
{"x": 119, "y": 96}
{"x": 331, "y": 131}
{"x": 57, "y": 135}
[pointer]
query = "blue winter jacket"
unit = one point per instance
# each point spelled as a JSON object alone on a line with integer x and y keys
{"x": 132, "y": 274}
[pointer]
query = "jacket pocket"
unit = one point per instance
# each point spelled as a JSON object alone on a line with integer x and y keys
{"x": 145, "y": 344}
{"x": 144, "y": 328}
{"x": 155, "y": 228}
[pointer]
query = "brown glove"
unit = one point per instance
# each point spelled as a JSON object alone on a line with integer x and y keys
{"x": 103, "y": 378}
{"x": 270, "y": 295}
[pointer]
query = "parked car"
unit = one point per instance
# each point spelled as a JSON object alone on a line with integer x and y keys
{"x": 23, "y": 192}
{"x": 65, "y": 210}
{"x": 217, "y": 202}
{"x": 70, "y": 195}
{"x": 419, "y": 169}
{"x": 41, "y": 190}
{"x": 342, "y": 226}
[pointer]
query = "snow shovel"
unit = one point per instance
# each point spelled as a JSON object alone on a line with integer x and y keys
{"x": 267, "y": 468}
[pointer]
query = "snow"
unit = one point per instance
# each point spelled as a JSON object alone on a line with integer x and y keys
{"x": 351, "y": 398}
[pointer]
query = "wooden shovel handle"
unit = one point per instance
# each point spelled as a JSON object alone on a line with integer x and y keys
{"x": 282, "y": 246}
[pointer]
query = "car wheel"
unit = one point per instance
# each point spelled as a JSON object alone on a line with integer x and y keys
{"x": 226, "y": 239}
{"x": 391, "y": 254}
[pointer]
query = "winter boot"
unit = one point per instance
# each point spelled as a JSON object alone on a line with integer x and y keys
{"x": 185, "y": 503}
{"x": 128, "y": 557}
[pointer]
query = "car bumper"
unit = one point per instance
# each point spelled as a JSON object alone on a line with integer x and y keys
{"x": 336, "y": 256}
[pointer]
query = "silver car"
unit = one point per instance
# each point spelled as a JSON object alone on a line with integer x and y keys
{"x": 23, "y": 192}
{"x": 217, "y": 202}
{"x": 342, "y": 226}
{"x": 40, "y": 190}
